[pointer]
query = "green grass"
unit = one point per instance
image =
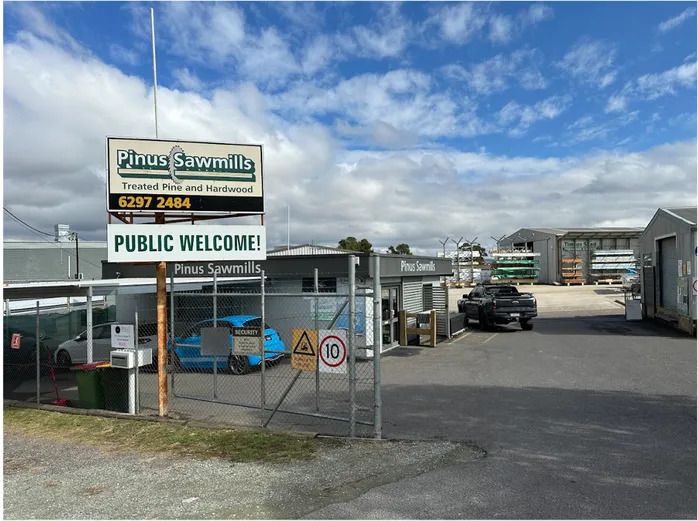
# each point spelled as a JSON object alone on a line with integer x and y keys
{"x": 147, "y": 436}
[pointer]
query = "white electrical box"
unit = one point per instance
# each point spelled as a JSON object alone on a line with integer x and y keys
{"x": 126, "y": 358}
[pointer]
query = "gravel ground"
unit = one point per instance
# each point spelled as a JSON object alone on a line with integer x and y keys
{"x": 48, "y": 479}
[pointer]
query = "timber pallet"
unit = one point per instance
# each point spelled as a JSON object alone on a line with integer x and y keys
{"x": 608, "y": 281}
{"x": 575, "y": 282}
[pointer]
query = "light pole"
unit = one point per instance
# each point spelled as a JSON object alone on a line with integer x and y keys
{"x": 458, "y": 243}
{"x": 74, "y": 237}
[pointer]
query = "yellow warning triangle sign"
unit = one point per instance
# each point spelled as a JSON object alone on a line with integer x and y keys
{"x": 304, "y": 346}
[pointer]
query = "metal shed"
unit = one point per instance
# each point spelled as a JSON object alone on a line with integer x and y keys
{"x": 668, "y": 253}
{"x": 556, "y": 244}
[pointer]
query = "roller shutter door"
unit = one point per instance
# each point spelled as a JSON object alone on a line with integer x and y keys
{"x": 668, "y": 272}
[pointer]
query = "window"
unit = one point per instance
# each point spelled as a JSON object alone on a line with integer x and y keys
{"x": 325, "y": 285}
{"x": 255, "y": 322}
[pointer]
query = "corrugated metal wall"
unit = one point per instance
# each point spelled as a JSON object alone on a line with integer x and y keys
{"x": 412, "y": 298}
{"x": 668, "y": 272}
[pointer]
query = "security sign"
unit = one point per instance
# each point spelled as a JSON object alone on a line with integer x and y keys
{"x": 304, "y": 352}
{"x": 333, "y": 351}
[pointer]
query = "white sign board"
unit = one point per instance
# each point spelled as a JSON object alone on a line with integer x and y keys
{"x": 247, "y": 341}
{"x": 122, "y": 336}
{"x": 190, "y": 177}
{"x": 333, "y": 351}
{"x": 184, "y": 242}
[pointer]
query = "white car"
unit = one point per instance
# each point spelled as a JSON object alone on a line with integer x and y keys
{"x": 74, "y": 351}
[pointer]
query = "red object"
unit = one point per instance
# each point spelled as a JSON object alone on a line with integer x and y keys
{"x": 16, "y": 341}
{"x": 58, "y": 401}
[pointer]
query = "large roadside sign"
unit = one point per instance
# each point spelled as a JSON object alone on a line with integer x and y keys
{"x": 184, "y": 242}
{"x": 190, "y": 177}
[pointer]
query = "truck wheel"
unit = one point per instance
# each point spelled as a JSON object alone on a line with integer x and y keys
{"x": 525, "y": 324}
{"x": 484, "y": 323}
{"x": 465, "y": 321}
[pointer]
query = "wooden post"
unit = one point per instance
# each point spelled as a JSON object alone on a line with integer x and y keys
{"x": 161, "y": 307}
{"x": 403, "y": 327}
{"x": 161, "y": 273}
{"x": 432, "y": 335}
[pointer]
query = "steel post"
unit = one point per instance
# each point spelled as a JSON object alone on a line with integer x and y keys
{"x": 263, "y": 389}
{"x": 89, "y": 325}
{"x": 316, "y": 286}
{"x": 377, "y": 348}
{"x": 215, "y": 324}
{"x": 38, "y": 356}
{"x": 351, "y": 342}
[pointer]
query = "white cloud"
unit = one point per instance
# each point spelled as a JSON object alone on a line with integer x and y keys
{"x": 187, "y": 79}
{"x": 653, "y": 86}
{"x": 501, "y": 28}
{"x": 387, "y": 37}
{"x": 500, "y": 72}
{"x": 460, "y": 22}
{"x": 590, "y": 61}
{"x": 616, "y": 103}
{"x": 60, "y": 104}
{"x": 121, "y": 54}
{"x": 672, "y": 23}
{"x": 517, "y": 118}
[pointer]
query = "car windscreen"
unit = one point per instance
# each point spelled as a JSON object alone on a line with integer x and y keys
{"x": 502, "y": 291}
{"x": 255, "y": 322}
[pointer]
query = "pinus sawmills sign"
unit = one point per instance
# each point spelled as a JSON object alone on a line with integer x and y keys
{"x": 190, "y": 177}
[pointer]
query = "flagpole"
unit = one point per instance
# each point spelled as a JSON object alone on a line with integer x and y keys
{"x": 155, "y": 70}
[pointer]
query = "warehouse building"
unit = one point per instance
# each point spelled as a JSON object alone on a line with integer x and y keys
{"x": 668, "y": 252}
{"x": 578, "y": 255}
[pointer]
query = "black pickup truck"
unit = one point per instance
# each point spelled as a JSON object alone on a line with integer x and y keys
{"x": 495, "y": 304}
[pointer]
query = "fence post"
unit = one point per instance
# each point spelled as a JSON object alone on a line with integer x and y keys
{"x": 89, "y": 324}
{"x": 316, "y": 289}
{"x": 38, "y": 357}
{"x": 137, "y": 388}
{"x": 263, "y": 388}
{"x": 352, "y": 352}
{"x": 172, "y": 333}
{"x": 215, "y": 324}
{"x": 377, "y": 348}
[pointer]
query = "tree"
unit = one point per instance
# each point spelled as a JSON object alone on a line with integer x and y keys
{"x": 351, "y": 244}
{"x": 400, "y": 249}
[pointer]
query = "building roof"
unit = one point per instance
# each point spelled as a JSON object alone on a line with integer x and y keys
{"x": 585, "y": 233}
{"x": 307, "y": 249}
{"x": 687, "y": 213}
{"x": 34, "y": 245}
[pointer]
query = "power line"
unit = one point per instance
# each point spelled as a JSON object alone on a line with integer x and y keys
{"x": 52, "y": 243}
{"x": 26, "y": 224}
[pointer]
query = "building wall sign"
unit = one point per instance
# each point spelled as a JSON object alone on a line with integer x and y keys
{"x": 184, "y": 242}
{"x": 149, "y": 175}
{"x": 416, "y": 266}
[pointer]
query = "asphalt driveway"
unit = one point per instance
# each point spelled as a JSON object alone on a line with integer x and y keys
{"x": 583, "y": 417}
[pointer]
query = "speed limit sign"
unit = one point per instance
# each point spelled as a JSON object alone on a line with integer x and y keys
{"x": 333, "y": 351}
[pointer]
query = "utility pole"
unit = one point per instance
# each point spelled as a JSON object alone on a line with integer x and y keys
{"x": 498, "y": 240}
{"x": 458, "y": 243}
{"x": 74, "y": 237}
{"x": 443, "y": 243}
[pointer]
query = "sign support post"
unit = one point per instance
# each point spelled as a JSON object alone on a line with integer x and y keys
{"x": 351, "y": 342}
{"x": 38, "y": 358}
{"x": 316, "y": 288}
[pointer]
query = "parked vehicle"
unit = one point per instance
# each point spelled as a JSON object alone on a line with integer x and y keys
{"x": 498, "y": 304}
{"x": 74, "y": 351}
{"x": 187, "y": 352}
{"x": 22, "y": 357}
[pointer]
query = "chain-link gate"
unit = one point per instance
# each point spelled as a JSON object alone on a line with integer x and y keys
{"x": 251, "y": 389}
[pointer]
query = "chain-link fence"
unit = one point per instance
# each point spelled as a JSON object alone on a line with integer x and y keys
{"x": 316, "y": 366}
{"x": 251, "y": 388}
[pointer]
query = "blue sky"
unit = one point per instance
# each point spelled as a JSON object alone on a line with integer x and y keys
{"x": 513, "y": 106}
